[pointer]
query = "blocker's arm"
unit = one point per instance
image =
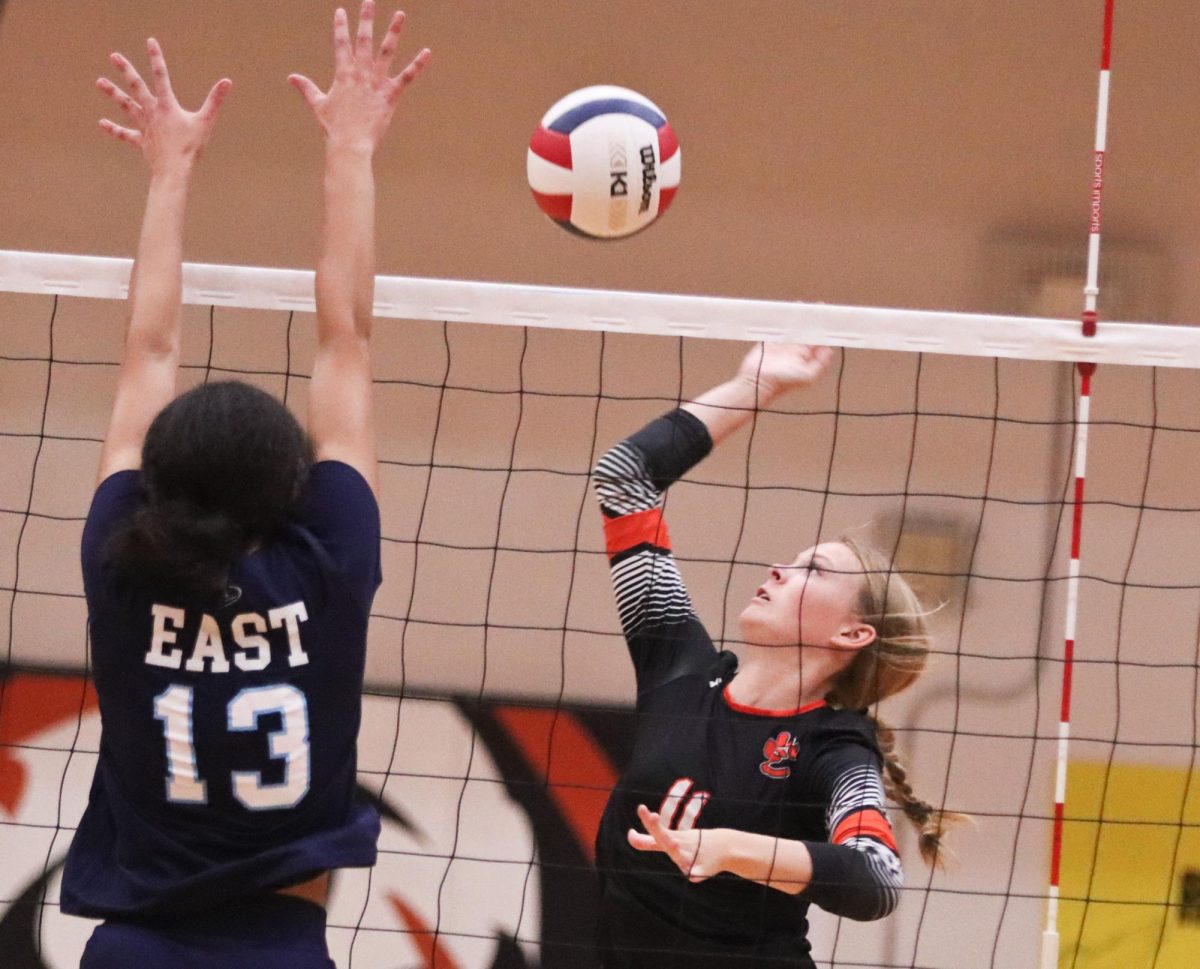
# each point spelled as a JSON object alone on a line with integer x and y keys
{"x": 170, "y": 140}
{"x": 354, "y": 114}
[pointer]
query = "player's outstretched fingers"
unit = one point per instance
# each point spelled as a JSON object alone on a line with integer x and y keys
{"x": 216, "y": 97}
{"x": 127, "y": 104}
{"x": 343, "y": 56}
{"x": 308, "y": 89}
{"x": 122, "y": 134}
{"x": 387, "y": 50}
{"x": 409, "y": 74}
{"x": 642, "y": 841}
{"x": 158, "y": 67}
{"x": 658, "y": 831}
{"x": 364, "y": 41}
{"x": 133, "y": 80}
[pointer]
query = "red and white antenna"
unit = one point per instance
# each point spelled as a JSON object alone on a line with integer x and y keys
{"x": 1091, "y": 290}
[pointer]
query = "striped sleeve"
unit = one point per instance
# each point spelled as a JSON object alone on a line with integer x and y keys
{"x": 648, "y": 586}
{"x": 857, "y": 819}
{"x": 631, "y": 480}
{"x": 857, "y": 873}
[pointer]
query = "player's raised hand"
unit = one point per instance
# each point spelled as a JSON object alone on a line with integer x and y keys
{"x": 158, "y": 125}
{"x": 775, "y": 368}
{"x": 698, "y": 854}
{"x": 358, "y": 107}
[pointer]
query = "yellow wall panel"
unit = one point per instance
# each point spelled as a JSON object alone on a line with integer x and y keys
{"x": 1123, "y": 869}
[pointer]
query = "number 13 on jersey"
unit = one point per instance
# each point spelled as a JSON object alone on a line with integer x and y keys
{"x": 289, "y": 744}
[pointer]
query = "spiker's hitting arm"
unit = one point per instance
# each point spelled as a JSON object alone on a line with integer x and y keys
{"x": 631, "y": 481}
{"x": 766, "y": 373}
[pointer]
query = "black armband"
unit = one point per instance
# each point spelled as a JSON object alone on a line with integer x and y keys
{"x": 844, "y": 883}
{"x": 672, "y": 445}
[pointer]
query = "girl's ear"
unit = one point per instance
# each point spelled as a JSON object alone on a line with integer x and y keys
{"x": 855, "y": 636}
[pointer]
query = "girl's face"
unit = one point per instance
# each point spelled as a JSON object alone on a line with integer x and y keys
{"x": 812, "y": 601}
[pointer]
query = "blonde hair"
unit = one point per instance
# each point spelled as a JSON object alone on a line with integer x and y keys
{"x": 895, "y": 658}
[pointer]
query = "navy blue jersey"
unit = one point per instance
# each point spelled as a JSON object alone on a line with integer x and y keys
{"x": 272, "y": 931}
{"x": 229, "y": 728}
{"x": 702, "y": 760}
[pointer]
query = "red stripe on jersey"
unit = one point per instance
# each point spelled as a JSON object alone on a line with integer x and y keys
{"x": 865, "y": 824}
{"x": 668, "y": 144}
{"x": 558, "y": 207}
{"x": 553, "y": 146}
{"x": 664, "y": 198}
{"x": 636, "y": 529}
{"x": 759, "y": 712}
{"x": 576, "y": 771}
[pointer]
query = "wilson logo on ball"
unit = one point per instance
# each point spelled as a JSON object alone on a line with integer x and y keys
{"x": 604, "y": 162}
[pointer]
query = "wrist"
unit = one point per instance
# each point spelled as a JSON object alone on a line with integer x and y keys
{"x": 349, "y": 149}
{"x": 176, "y": 169}
{"x": 759, "y": 391}
{"x": 734, "y": 852}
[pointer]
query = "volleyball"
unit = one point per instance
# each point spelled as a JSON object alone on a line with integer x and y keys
{"x": 604, "y": 162}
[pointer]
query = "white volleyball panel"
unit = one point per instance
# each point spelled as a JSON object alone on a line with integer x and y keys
{"x": 615, "y": 157}
{"x": 547, "y": 177}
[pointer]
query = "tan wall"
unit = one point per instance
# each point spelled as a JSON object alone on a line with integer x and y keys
{"x": 861, "y": 152}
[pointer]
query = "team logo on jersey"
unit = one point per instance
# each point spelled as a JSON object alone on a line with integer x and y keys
{"x": 778, "y": 751}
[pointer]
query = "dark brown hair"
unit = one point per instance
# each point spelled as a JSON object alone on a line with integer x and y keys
{"x": 223, "y": 466}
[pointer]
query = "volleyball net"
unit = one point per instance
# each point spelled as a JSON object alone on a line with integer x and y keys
{"x": 499, "y": 703}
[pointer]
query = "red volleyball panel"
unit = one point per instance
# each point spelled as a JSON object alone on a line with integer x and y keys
{"x": 553, "y": 146}
{"x": 668, "y": 144}
{"x": 664, "y": 198}
{"x": 558, "y": 207}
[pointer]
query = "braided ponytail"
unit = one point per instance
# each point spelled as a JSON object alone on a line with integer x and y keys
{"x": 886, "y": 666}
{"x": 930, "y": 822}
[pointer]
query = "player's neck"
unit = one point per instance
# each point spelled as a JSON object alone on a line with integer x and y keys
{"x": 780, "y": 678}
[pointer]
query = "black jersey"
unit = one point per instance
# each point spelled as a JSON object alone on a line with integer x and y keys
{"x": 702, "y": 760}
{"x": 227, "y": 758}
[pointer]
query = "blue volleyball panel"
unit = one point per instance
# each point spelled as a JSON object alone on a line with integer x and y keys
{"x": 572, "y": 119}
